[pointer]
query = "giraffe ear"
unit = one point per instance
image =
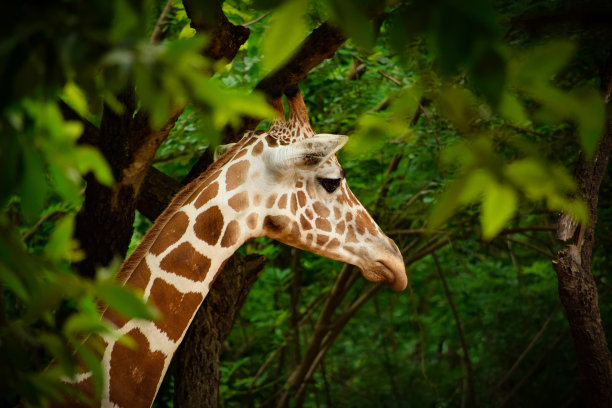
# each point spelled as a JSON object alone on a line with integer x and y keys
{"x": 221, "y": 150}
{"x": 307, "y": 153}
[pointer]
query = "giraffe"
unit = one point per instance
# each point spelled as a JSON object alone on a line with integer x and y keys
{"x": 285, "y": 183}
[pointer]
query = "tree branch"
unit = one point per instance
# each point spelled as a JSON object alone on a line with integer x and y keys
{"x": 466, "y": 352}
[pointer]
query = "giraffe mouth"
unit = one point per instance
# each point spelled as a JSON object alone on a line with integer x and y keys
{"x": 392, "y": 273}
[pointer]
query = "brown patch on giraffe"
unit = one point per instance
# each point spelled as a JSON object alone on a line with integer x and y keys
{"x": 322, "y": 239}
{"x": 309, "y": 213}
{"x": 309, "y": 238}
{"x": 340, "y": 228}
{"x": 236, "y": 175}
{"x": 240, "y": 154}
{"x": 295, "y": 231}
{"x": 208, "y": 225}
{"x": 282, "y": 202}
{"x": 293, "y": 203}
{"x": 271, "y": 141}
{"x": 360, "y": 228}
{"x": 185, "y": 261}
{"x": 337, "y": 213}
{"x": 321, "y": 209}
{"x": 258, "y": 148}
{"x": 311, "y": 191}
{"x": 353, "y": 199}
{"x": 257, "y": 199}
{"x": 171, "y": 233}
{"x": 252, "y": 220}
{"x": 349, "y": 217}
{"x": 299, "y": 184}
{"x": 270, "y": 201}
{"x": 232, "y": 233}
{"x": 239, "y": 201}
{"x": 301, "y": 198}
{"x": 304, "y": 222}
{"x": 176, "y": 308}
{"x": 350, "y": 235}
{"x": 334, "y": 243}
{"x": 206, "y": 195}
{"x": 363, "y": 218}
{"x": 276, "y": 223}
{"x": 134, "y": 369}
{"x": 323, "y": 224}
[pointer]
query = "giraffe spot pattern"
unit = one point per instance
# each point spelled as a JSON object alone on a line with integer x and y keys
{"x": 350, "y": 235}
{"x": 239, "y": 201}
{"x": 363, "y": 218}
{"x": 293, "y": 203}
{"x": 301, "y": 198}
{"x": 323, "y": 224}
{"x": 340, "y": 228}
{"x": 176, "y": 308}
{"x": 322, "y": 239}
{"x": 252, "y": 220}
{"x": 334, "y": 243}
{"x": 270, "y": 201}
{"x": 171, "y": 233}
{"x": 208, "y": 225}
{"x": 240, "y": 154}
{"x": 304, "y": 223}
{"x": 185, "y": 261}
{"x": 236, "y": 175}
{"x": 282, "y": 202}
{"x": 321, "y": 209}
{"x": 309, "y": 214}
{"x": 205, "y": 196}
{"x": 337, "y": 213}
{"x": 232, "y": 233}
{"x": 140, "y": 368}
{"x": 258, "y": 148}
{"x": 276, "y": 223}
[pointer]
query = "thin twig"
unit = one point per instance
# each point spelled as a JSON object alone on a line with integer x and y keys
{"x": 534, "y": 247}
{"x": 390, "y": 78}
{"x": 534, "y": 368}
{"x": 464, "y": 346}
{"x": 535, "y": 339}
{"x": 52, "y": 214}
{"x": 157, "y": 34}
{"x": 258, "y": 19}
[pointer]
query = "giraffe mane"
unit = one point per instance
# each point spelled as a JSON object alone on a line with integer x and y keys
{"x": 179, "y": 200}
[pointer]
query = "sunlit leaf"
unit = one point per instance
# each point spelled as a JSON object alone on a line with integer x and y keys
{"x": 124, "y": 301}
{"x": 287, "y": 28}
{"x": 498, "y": 207}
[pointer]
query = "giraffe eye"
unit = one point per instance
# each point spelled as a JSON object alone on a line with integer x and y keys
{"x": 329, "y": 184}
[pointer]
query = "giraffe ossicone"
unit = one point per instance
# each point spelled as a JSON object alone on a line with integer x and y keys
{"x": 285, "y": 183}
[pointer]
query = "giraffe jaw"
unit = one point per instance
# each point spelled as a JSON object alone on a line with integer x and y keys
{"x": 392, "y": 272}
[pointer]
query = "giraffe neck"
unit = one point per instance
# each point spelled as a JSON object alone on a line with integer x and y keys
{"x": 175, "y": 278}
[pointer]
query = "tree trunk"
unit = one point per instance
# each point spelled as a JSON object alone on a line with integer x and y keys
{"x": 577, "y": 287}
{"x": 197, "y": 372}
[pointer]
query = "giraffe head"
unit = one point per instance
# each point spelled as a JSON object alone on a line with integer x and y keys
{"x": 302, "y": 199}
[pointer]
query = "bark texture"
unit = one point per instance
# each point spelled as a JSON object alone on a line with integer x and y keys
{"x": 196, "y": 382}
{"x": 577, "y": 287}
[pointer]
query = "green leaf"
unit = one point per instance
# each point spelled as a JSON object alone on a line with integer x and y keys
{"x": 498, "y": 207}
{"x": 591, "y": 116}
{"x": 90, "y": 159}
{"x": 511, "y": 108}
{"x": 124, "y": 301}
{"x": 83, "y": 324}
{"x": 286, "y": 31}
{"x": 352, "y": 18}
{"x": 33, "y": 183}
{"x": 61, "y": 245}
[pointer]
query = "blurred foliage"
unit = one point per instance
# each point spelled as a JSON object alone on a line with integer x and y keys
{"x": 484, "y": 105}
